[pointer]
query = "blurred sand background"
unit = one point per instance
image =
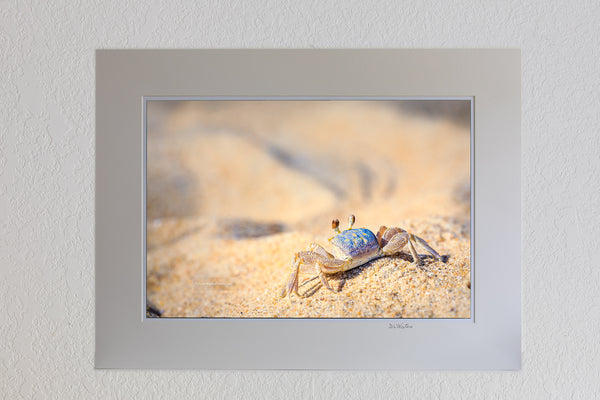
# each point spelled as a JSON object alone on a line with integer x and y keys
{"x": 235, "y": 188}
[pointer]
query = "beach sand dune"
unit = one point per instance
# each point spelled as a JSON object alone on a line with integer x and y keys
{"x": 234, "y": 189}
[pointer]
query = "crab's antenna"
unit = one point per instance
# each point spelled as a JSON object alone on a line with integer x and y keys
{"x": 351, "y": 221}
{"x": 335, "y": 225}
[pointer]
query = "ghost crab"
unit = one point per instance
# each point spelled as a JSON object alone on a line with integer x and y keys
{"x": 352, "y": 248}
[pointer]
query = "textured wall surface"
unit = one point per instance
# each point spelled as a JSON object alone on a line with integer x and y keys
{"x": 47, "y": 185}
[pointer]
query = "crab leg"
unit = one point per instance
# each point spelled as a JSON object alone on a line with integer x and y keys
{"x": 315, "y": 260}
{"x": 315, "y": 248}
{"x": 395, "y": 243}
{"x": 426, "y": 246}
{"x": 321, "y": 268}
{"x": 395, "y": 240}
{"x": 413, "y": 252}
{"x": 292, "y": 282}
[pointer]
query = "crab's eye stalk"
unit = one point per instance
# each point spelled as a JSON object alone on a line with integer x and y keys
{"x": 335, "y": 225}
{"x": 351, "y": 221}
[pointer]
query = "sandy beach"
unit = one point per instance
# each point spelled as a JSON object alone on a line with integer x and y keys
{"x": 235, "y": 189}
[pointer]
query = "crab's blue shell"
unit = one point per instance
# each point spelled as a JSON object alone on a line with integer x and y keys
{"x": 356, "y": 243}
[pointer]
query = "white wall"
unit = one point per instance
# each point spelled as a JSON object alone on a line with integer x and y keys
{"x": 47, "y": 185}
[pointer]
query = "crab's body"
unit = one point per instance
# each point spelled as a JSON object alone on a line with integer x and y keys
{"x": 352, "y": 248}
{"x": 358, "y": 246}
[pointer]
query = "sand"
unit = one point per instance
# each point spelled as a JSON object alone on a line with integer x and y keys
{"x": 235, "y": 189}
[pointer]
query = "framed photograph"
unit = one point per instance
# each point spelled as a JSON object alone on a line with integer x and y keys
{"x": 308, "y": 209}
